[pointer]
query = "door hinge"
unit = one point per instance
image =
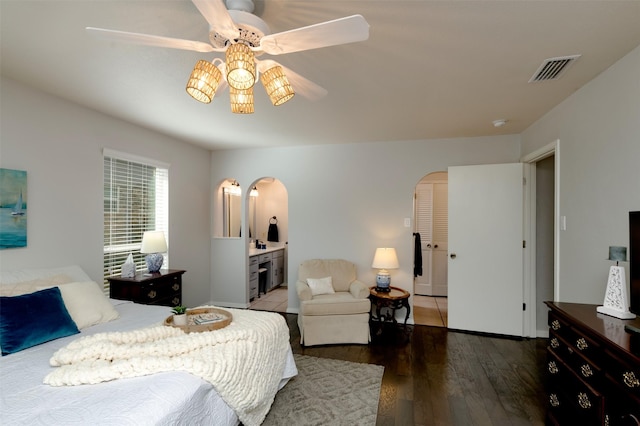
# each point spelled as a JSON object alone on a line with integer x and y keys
{"x": 524, "y": 244}
{"x": 524, "y": 306}
{"x": 524, "y": 181}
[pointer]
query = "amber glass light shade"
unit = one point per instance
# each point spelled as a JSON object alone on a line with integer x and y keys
{"x": 241, "y": 66}
{"x": 241, "y": 100}
{"x": 277, "y": 85}
{"x": 204, "y": 81}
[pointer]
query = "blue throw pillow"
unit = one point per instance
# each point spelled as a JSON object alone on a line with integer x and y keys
{"x": 31, "y": 319}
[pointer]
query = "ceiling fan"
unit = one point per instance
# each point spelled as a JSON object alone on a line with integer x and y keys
{"x": 243, "y": 37}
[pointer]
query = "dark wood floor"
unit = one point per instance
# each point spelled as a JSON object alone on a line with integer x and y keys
{"x": 440, "y": 377}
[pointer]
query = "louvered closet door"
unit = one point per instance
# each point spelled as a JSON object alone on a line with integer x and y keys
{"x": 432, "y": 224}
{"x": 423, "y": 225}
{"x": 440, "y": 239}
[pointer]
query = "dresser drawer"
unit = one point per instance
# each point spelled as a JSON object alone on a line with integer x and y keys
{"x": 621, "y": 408}
{"x": 575, "y": 340}
{"x": 623, "y": 374}
{"x": 155, "y": 291}
{"x": 265, "y": 258}
{"x": 584, "y": 368}
{"x": 571, "y": 402}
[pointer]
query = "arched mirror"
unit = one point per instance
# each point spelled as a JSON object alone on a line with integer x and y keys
{"x": 231, "y": 209}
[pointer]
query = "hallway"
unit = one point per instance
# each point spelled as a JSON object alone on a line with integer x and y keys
{"x": 430, "y": 311}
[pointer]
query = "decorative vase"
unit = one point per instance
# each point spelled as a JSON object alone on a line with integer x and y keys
{"x": 180, "y": 319}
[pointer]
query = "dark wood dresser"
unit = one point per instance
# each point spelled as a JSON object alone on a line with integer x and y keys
{"x": 593, "y": 367}
{"x": 160, "y": 288}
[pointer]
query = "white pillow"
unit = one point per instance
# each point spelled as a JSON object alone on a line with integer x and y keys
{"x": 320, "y": 286}
{"x": 86, "y": 303}
{"x": 25, "y": 287}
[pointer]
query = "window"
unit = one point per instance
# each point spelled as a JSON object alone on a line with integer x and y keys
{"x": 136, "y": 199}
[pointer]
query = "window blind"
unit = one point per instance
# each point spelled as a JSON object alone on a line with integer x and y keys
{"x": 136, "y": 199}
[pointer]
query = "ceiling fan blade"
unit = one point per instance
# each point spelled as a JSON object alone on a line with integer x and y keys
{"x": 151, "y": 40}
{"x": 217, "y": 15}
{"x": 339, "y": 31}
{"x": 301, "y": 85}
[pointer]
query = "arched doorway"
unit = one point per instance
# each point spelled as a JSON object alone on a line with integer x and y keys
{"x": 431, "y": 224}
{"x": 267, "y": 219}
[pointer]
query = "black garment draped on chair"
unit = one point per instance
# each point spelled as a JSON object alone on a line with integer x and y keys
{"x": 417, "y": 256}
{"x": 272, "y": 233}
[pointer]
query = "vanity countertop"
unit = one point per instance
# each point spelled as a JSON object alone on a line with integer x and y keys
{"x": 256, "y": 252}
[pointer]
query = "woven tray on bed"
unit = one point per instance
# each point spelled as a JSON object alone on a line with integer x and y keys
{"x": 222, "y": 319}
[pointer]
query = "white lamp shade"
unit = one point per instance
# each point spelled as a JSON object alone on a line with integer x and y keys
{"x": 153, "y": 242}
{"x": 385, "y": 258}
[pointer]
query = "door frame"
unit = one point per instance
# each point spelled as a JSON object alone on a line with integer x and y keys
{"x": 551, "y": 149}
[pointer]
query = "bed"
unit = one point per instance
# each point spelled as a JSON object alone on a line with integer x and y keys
{"x": 164, "y": 398}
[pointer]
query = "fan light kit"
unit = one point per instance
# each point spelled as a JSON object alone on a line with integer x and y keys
{"x": 243, "y": 37}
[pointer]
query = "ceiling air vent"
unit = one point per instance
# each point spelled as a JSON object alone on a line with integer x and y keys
{"x": 553, "y": 68}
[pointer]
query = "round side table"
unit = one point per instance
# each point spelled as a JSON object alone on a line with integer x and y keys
{"x": 385, "y": 304}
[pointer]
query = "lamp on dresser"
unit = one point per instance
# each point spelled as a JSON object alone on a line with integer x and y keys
{"x": 616, "y": 300}
{"x": 153, "y": 244}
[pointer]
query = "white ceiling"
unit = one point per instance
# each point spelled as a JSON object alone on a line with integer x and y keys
{"x": 430, "y": 69}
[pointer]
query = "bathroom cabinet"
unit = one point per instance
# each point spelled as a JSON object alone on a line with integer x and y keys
{"x": 271, "y": 262}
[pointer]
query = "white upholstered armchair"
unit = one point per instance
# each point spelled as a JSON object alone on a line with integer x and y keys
{"x": 334, "y": 305}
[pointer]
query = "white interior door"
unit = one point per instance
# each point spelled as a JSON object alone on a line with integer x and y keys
{"x": 485, "y": 248}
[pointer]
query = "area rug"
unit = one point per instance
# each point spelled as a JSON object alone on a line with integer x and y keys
{"x": 328, "y": 392}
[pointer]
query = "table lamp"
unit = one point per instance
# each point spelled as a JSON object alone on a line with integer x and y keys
{"x": 616, "y": 301}
{"x": 153, "y": 244}
{"x": 385, "y": 258}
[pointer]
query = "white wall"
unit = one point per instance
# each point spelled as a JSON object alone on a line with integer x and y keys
{"x": 599, "y": 132}
{"x": 344, "y": 201}
{"x": 60, "y": 145}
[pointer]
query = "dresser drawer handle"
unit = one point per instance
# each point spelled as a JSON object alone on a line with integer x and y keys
{"x": 553, "y": 400}
{"x": 176, "y": 287}
{"x": 553, "y": 368}
{"x": 555, "y": 324}
{"x": 630, "y": 379}
{"x": 583, "y": 400}
{"x": 586, "y": 370}
{"x": 581, "y": 344}
{"x": 152, "y": 294}
{"x": 175, "y": 301}
{"x": 554, "y": 343}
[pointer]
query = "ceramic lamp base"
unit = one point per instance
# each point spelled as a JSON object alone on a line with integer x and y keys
{"x": 383, "y": 281}
{"x": 154, "y": 262}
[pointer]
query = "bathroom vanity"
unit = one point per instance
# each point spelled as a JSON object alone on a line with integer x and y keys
{"x": 266, "y": 270}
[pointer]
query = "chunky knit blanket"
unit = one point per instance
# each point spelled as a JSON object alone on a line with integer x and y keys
{"x": 243, "y": 361}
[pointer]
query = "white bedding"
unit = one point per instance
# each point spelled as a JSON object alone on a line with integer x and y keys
{"x": 159, "y": 399}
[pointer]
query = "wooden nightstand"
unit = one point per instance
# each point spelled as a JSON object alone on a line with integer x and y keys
{"x": 160, "y": 288}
